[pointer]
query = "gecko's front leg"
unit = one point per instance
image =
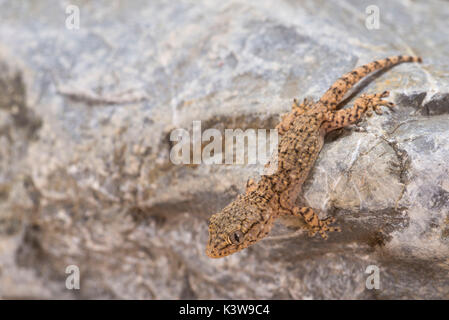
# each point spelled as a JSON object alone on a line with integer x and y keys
{"x": 297, "y": 110}
{"x": 313, "y": 222}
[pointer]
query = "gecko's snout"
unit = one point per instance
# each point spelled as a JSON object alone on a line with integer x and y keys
{"x": 223, "y": 248}
{"x": 215, "y": 252}
{"x": 221, "y": 242}
{"x": 237, "y": 226}
{"x": 218, "y": 247}
{"x": 211, "y": 253}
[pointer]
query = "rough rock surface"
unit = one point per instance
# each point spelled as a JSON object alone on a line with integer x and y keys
{"x": 85, "y": 175}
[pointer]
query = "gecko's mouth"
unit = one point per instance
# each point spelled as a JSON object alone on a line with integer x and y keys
{"x": 212, "y": 252}
{"x": 222, "y": 249}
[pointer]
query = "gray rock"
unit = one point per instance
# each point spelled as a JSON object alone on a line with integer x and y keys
{"x": 85, "y": 174}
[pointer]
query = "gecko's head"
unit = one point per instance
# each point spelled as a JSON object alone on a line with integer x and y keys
{"x": 236, "y": 227}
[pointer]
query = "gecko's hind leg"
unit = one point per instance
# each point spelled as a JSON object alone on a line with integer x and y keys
{"x": 314, "y": 223}
{"x": 365, "y": 104}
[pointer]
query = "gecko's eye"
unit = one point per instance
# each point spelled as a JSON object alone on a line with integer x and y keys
{"x": 236, "y": 237}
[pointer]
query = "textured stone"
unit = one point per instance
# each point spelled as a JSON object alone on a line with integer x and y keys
{"x": 85, "y": 174}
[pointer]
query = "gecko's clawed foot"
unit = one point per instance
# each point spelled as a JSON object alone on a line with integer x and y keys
{"x": 324, "y": 227}
{"x": 315, "y": 224}
{"x": 374, "y": 102}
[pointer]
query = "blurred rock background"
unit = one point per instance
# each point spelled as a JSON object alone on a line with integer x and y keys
{"x": 85, "y": 175}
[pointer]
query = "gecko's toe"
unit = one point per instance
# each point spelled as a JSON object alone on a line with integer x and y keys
{"x": 326, "y": 228}
{"x": 329, "y": 220}
{"x": 312, "y": 232}
{"x": 385, "y": 94}
{"x": 378, "y": 110}
{"x": 334, "y": 229}
{"x": 324, "y": 235}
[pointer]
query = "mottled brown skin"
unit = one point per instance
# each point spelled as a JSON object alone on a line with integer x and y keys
{"x": 250, "y": 217}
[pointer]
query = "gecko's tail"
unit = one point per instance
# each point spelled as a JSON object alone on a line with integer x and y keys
{"x": 336, "y": 92}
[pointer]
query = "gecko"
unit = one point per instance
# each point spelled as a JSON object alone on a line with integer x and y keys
{"x": 250, "y": 217}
